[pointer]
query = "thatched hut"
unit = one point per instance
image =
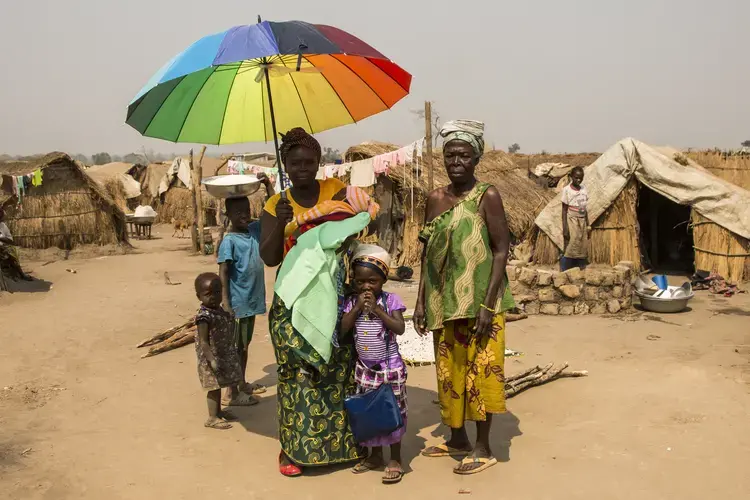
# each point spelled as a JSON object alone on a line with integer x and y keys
{"x": 119, "y": 181}
{"x": 659, "y": 210}
{"x": 402, "y": 194}
{"x": 68, "y": 209}
{"x": 176, "y": 197}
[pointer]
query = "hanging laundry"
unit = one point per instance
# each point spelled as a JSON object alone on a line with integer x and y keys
{"x": 36, "y": 179}
{"x": 363, "y": 173}
{"x": 21, "y": 186}
{"x": 420, "y": 147}
{"x": 331, "y": 171}
{"x": 342, "y": 169}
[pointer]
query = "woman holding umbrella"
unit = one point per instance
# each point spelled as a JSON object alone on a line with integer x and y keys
{"x": 313, "y": 428}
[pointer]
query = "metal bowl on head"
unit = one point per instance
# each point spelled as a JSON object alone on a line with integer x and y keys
{"x": 231, "y": 186}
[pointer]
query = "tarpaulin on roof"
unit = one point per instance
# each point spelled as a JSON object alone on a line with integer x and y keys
{"x": 719, "y": 201}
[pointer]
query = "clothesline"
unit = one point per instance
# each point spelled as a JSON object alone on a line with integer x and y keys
{"x": 363, "y": 172}
{"x": 18, "y": 185}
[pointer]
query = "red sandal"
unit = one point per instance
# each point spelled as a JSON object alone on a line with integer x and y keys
{"x": 289, "y": 470}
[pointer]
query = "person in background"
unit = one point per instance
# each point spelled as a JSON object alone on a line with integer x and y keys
{"x": 8, "y": 252}
{"x": 376, "y": 317}
{"x": 463, "y": 297}
{"x": 244, "y": 291}
{"x": 575, "y": 222}
{"x": 218, "y": 360}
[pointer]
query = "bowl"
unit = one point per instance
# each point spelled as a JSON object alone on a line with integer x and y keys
{"x": 231, "y": 186}
{"x": 663, "y": 305}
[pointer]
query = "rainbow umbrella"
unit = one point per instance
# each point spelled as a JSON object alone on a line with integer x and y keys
{"x": 244, "y": 83}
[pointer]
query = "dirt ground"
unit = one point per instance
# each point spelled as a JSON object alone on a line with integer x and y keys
{"x": 663, "y": 414}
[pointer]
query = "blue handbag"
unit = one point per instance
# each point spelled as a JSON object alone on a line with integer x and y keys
{"x": 375, "y": 413}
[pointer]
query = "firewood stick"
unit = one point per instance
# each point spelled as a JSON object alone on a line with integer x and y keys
{"x": 168, "y": 346}
{"x": 550, "y": 375}
{"x": 581, "y": 373}
{"x": 160, "y": 337}
{"x": 523, "y": 374}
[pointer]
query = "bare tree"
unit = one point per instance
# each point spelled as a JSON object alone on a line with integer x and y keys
{"x": 330, "y": 155}
{"x": 435, "y": 122}
{"x": 514, "y": 148}
{"x": 746, "y": 144}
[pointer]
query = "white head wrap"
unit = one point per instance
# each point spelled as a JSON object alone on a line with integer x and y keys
{"x": 374, "y": 255}
{"x": 470, "y": 131}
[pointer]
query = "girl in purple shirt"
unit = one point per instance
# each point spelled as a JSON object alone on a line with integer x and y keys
{"x": 376, "y": 317}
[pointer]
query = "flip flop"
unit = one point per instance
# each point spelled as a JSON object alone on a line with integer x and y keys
{"x": 485, "y": 463}
{"x": 364, "y": 466}
{"x": 255, "y": 388}
{"x": 228, "y": 416}
{"x": 243, "y": 400}
{"x": 393, "y": 480}
{"x": 289, "y": 470}
{"x": 443, "y": 450}
{"x": 217, "y": 423}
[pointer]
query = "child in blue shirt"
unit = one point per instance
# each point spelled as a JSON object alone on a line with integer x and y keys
{"x": 244, "y": 292}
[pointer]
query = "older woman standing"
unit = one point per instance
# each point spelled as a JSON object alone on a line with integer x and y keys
{"x": 463, "y": 296}
{"x": 313, "y": 428}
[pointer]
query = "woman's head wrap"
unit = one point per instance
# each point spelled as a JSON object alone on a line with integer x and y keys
{"x": 465, "y": 130}
{"x": 374, "y": 257}
{"x": 298, "y": 137}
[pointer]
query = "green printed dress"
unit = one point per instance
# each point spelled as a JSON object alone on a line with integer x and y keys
{"x": 458, "y": 259}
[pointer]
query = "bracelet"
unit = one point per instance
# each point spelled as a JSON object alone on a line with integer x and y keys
{"x": 493, "y": 311}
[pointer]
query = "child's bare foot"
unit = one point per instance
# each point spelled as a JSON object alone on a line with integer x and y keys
{"x": 217, "y": 423}
{"x": 393, "y": 473}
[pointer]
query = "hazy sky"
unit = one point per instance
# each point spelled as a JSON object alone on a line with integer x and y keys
{"x": 558, "y": 75}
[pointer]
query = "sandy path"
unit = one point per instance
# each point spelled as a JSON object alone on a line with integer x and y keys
{"x": 660, "y": 418}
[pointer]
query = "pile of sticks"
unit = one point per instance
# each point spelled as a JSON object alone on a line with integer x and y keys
{"x": 175, "y": 337}
{"x": 516, "y": 384}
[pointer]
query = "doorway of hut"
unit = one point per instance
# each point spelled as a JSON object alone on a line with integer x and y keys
{"x": 666, "y": 236}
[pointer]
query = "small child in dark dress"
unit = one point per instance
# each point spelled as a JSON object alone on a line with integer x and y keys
{"x": 216, "y": 348}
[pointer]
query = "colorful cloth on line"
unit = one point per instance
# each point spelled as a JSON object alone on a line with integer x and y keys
{"x": 458, "y": 262}
{"x": 470, "y": 371}
{"x": 223, "y": 345}
{"x": 368, "y": 379}
{"x": 313, "y": 425}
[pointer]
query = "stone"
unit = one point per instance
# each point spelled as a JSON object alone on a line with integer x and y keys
{"x": 622, "y": 275}
{"x": 550, "y": 309}
{"x": 605, "y": 295}
{"x": 559, "y": 279}
{"x": 567, "y": 309}
{"x": 527, "y": 276}
{"x": 608, "y": 278}
{"x": 613, "y": 306}
{"x": 575, "y": 276}
{"x": 593, "y": 277}
{"x": 626, "y": 302}
{"x": 599, "y": 308}
{"x": 512, "y": 272}
{"x": 571, "y": 291}
{"x": 544, "y": 278}
{"x": 532, "y": 308}
{"x": 518, "y": 289}
{"x": 524, "y": 299}
{"x": 547, "y": 295}
{"x": 617, "y": 292}
{"x": 591, "y": 293}
{"x": 581, "y": 308}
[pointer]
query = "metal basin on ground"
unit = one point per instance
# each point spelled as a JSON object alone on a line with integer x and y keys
{"x": 663, "y": 305}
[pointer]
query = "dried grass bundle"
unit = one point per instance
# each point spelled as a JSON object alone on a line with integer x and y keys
{"x": 614, "y": 237}
{"x": 116, "y": 191}
{"x": 731, "y": 168}
{"x": 719, "y": 250}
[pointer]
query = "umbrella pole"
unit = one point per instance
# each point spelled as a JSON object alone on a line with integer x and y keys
{"x": 275, "y": 134}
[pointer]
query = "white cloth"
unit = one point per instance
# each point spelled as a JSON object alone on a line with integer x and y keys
{"x": 181, "y": 169}
{"x": 5, "y": 232}
{"x": 144, "y": 211}
{"x": 331, "y": 170}
{"x": 363, "y": 173}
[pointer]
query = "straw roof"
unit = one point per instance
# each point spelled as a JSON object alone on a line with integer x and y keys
{"x": 522, "y": 198}
{"x": 68, "y": 209}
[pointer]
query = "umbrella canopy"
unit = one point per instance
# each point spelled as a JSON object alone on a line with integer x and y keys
{"x": 217, "y": 91}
